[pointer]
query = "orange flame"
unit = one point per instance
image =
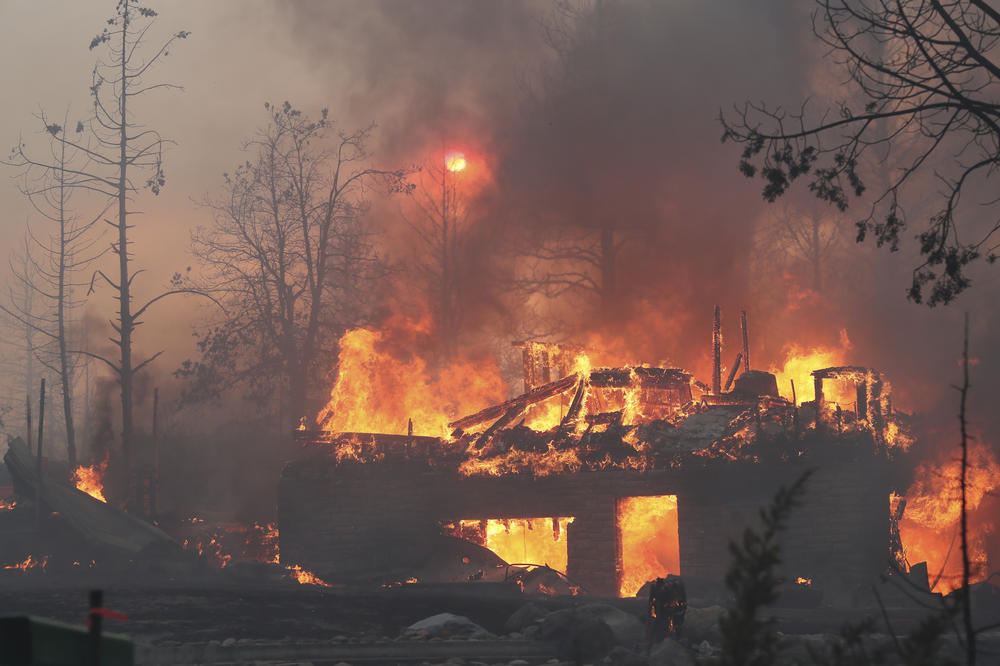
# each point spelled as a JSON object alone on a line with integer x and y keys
{"x": 527, "y": 540}
{"x": 29, "y": 563}
{"x": 929, "y": 528}
{"x": 800, "y": 362}
{"x": 90, "y": 479}
{"x": 378, "y": 391}
{"x": 269, "y": 539}
{"x": 7, "y": 504}
{"x": 306, "y": 577}
{"x": 650, "y": 545}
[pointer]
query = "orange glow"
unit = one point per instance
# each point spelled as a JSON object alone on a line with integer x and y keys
{"x": 929, "y": 528}
{"x": 800, "y": 362}
{"x": 805, "y": 582}
{"x": 29, "y": 563}
{"x": 90, "y": 479}
{"x": 306, "y": 577}
{"x": 382, "y": 384}
{"x": 7, "y": 504}
{"x": 269, "y": 540}
{"x": 455, "y": 161}
{"x": 527, "y": 540}
{"x": 647, "y": 527}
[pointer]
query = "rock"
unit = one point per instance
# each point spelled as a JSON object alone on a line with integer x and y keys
{"x": 670, "y": 653}
{"x": 229, "y": 642}
{"x": 628, "y": 630}
{"x": 529, "y": 613}
{"x": 801, "y": 648}
{"x": 622, "y": 656}
{"x": 579, "y": 636}
{"x": 447, "y": 625}
{"x": 702, "y": 624}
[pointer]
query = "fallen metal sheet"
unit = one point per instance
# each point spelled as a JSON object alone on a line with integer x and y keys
{"x": 98, "y": 522}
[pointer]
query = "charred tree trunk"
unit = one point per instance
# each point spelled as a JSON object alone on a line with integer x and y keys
{"x": 125, "y": 322}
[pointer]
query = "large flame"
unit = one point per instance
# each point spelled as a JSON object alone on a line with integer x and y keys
{"x": 90, "y": 479}
{"x": 799, "y": 363}
{"x": 383, "y": 385}
{"x": 650, "y": 546}
{"x": 527, "y": 540}
{"x": 306, "y": 577}
{"x": 930, "y": 525}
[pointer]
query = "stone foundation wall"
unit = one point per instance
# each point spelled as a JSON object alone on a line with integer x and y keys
{"x": 342, "y": 520}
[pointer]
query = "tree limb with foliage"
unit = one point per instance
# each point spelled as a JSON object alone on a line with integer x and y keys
{"x": 927, "y": 83}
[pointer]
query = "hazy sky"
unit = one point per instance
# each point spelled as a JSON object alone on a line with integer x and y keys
{"x": 436, "y": 70}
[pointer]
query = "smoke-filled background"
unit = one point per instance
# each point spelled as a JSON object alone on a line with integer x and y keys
{"x": 598, "y": 208}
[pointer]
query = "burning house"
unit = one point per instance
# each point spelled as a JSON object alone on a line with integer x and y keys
{"x": 615, "y": 476}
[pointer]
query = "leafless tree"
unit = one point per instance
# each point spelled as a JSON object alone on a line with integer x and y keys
{"x": 575, "y": 257}
{"x": 290, "y": 255}
{"x": 122, "y": 153}
{"x": 573, "y": 261}
{"x": 927, "y": 76}
{"x": 58, "y": 249}
{"x": 21, "y": 338}
{"x": 801, "y": 241}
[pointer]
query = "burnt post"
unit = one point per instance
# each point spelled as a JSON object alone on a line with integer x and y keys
{"x": 154, "y": 492}
{"x": 27, "y": 404}
{"x": 94, "y": 626}
{"x": 38, "y": 465}
{"x": 717, "y": 352}
{"x": 820, "y": 401}
{"x": 861, "y": 400}
{"x": 746, "y": 341}
{"x": 527, "y": 358}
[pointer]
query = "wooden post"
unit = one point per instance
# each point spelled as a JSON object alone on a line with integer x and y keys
{"x": 717, "y": 352}
{"x": 154, "y": 491}
{"x": 820, "y": 401}
{"x": 27, "y": 403}
{"x": 746, "y": 341}
{"x": 38, "y": 464}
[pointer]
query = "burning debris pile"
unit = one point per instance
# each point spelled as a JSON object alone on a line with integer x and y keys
{"x": 577, "y": 448}
{"x": 639, "y": 418}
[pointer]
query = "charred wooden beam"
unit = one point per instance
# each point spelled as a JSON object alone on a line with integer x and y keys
{"x": 500, "y": 423}
{"x": 648, "y": 377}
{"x": 732, "y": 373}
{"x": 717, "y": 352}
{"x": 574, "y": 407}
{"x": 529, "y": 398}
{"x": 605, "y": 418}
